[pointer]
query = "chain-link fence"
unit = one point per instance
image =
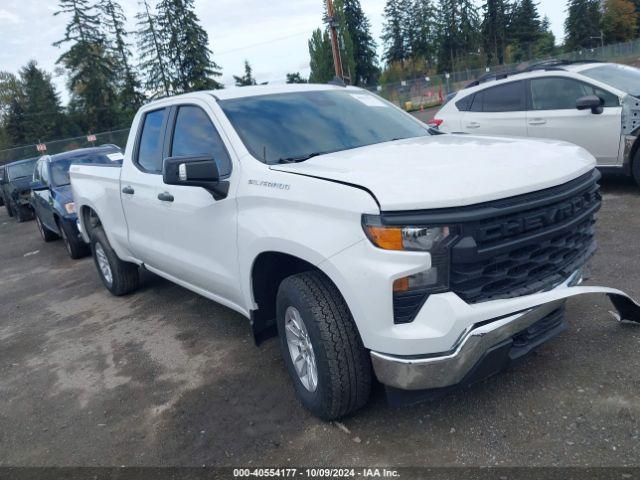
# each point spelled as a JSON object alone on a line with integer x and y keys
{"x": 116, "y": 137}
{"x": 432, "y": 90}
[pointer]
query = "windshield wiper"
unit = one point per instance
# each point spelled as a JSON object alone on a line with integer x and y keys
{"x": 300, "y": 158}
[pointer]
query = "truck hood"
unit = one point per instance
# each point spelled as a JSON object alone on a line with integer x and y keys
{"x": 449, "y": 170}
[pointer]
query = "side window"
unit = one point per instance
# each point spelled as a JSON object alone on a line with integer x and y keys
{"x": 504, "y": 98}
{"x": 151, "y": 141}
{"x": 194, "y": 134}
{"x": 557, "y": 93}
{"x": 465, "y": 104}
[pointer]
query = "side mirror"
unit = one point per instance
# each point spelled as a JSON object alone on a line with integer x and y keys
{"x": 591, "y": 102}
{"x": 195, "y": 171}
{"x": 37, "y": 186}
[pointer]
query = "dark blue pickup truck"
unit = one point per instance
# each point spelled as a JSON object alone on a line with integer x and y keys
{"x": 51, "y": 197}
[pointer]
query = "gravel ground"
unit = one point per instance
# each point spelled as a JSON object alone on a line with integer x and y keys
{"x": 164, "y": 377}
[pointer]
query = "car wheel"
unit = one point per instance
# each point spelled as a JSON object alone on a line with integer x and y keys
{"x": 21, "y": 212}
{"x": 321, "y": 346}
{"x": 119, "y": 277}
{"x": 75, "y": 247}
{"x": 7, "y": 205}
{"x": 46, "y": 234}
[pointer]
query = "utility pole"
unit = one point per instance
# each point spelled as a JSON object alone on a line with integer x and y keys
{"x": 335, "y": 47}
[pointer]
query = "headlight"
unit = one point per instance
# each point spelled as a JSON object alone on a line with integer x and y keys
{"x": 70, "y": 207}
{"x": 410, "y": 292}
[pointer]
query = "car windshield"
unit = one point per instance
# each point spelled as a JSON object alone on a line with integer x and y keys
{"x": 21, "y": 170}
{"x": 60, "y": 167}
{"x": 292, "y": 127}
{"x": 621, "y": 77}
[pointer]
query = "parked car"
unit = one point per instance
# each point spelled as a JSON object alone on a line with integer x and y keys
{"x": 52, "y": 199}
{"x": 594, "y": 105}
{"x": 17, "y": 188}
{"x": 3, "y": 174}
{"x": 367, "y": 242}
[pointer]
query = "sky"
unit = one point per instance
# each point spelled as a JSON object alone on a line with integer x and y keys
{"x": 271, "y": 34}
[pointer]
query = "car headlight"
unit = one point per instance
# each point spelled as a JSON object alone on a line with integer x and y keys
{"x": 410, "y": 292}
{"x": 70, "y": 207}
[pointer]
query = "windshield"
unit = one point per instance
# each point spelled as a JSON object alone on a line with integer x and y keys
{"x": 21, "y": 170}
{"x": 295, "y": 126}
{"x": 60, "y": 168}
{"x": 621, "y": 77}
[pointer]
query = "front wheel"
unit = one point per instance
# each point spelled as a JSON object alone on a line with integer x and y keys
{"x": 321, "y": 346}
{"x": 23, "y": 213}
{"x": 46, "y": 234}
{"x": 76, "y": 248}
{"x": 119, "y": 277}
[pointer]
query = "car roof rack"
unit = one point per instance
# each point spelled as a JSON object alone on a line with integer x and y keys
{"x": 549, "y": 65}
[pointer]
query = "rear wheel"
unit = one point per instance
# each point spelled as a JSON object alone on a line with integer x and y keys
{"x": 72, "y": 242}
{"x": 635, "y": 167}
{"x": 321, "y": 346}
{"x": 7, "y": 205}
{"x": 46, "y": 234}
{"x": 119, "y": 277}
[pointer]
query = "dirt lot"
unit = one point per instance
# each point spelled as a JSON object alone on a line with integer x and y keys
{"x": 164, "y": 377}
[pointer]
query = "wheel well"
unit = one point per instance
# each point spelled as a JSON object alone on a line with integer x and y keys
{"x": 90, "y": 219}
{"x": 269, "y": 270}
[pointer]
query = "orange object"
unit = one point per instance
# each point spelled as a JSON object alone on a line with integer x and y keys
{"x": 385, "y": 237}
{"x": 401, "y": 285}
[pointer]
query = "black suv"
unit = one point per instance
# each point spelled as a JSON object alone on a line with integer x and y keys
{"x": 16, "y": 188}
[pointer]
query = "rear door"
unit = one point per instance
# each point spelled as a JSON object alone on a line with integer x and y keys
{"x": 140, "y": 184}
{"x": 553, "y": 114}
{"x": 498, "y": 110}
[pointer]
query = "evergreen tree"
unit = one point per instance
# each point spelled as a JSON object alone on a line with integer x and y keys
{"x": 421, "y": 31}
{"x": 114, "y": 20}
{"x": 14, "y": 125}
{"x": 192, "y": 67}
{"x": 92, "y": 71}
{"x": 43, "y": 117}
{"x": 295, "y": 78}
{"x": 546, "y": 44}
{"x": 393, "y": 34}
{"x": 495, "y": 26}
{"x": 154, "y": 58}
{"x": 247, "y": 79}
{"x": 459, "y": 33}
{"x": 364, "y": 46}
{"x": 321, "y": 62}
{"x": 525, "y": 29}
{"x": 619, "y": 21}
{"x": 582, "y": 26}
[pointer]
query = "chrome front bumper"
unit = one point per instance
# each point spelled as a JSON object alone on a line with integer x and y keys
{"x": 450, "y": 368}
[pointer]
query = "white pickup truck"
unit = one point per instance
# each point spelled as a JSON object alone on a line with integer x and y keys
{"x": 370, "y": 244}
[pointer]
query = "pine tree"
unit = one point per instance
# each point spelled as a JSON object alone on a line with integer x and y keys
{"x": 15, "y": 120}
{"x": 582, "y": 26}
{"x": 546, "y": 44}
{"x": 321, "y": 58}
{"x": 393, "y": 34}
{"x": 114, "y": 20}
{"x": 295, "y": 78}
{"x": 154, "y": 59}
{"x": 192, "y": 67}
{"x": 525, "y": 29}
{"x": 364, "y": 46}
{"x": 458, "y": 33}
{"x": 92, "y": 70}
{"x": 247, "y": 79}
{"x": 421, "y": 31}
{"x": 619, "y": 21}
{"x": 41, "y": 104}
{"x": 495, "y": 24}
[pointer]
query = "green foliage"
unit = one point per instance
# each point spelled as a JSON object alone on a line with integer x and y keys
{"x": 525, "y": 29}
{"x": 191, "y": 67}
{"x": 582, "y": 26}
{"x": 154, "y": 58}
{"x": 247, "y": 79}
{"x": 459, "y": 34}
{"x": 295, "y": 78}
{"x": 393, "y": 35}
{"x": 321, "y": 62}
{"x": 495, "y": 29}
{"x": 364, "y": 47}
{"x": 619, "y": 21}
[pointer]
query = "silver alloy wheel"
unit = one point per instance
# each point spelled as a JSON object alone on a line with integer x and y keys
{"x": 103, "y": 263}
{"x": 301, "y": 349}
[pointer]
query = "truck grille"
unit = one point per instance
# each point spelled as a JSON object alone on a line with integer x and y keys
{"x": 525, "y": 244}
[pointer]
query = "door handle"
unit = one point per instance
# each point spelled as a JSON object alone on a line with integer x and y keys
{"x": 128, "y": 190}
{"x": 537, "y": 121}
{"x": 473, "y": 125}
{"x": 165, "y": 197}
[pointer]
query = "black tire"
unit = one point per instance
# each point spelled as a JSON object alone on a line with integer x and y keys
{"x": 76, "y": 248}
{"x": 343, "y": 365}
{"x": 7, "y": 205}
{"x": 22, "y": 212}
{"x": 125, "y": 275}
{"x": 46, "y": 234}
{"x": 635, "y": 167}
